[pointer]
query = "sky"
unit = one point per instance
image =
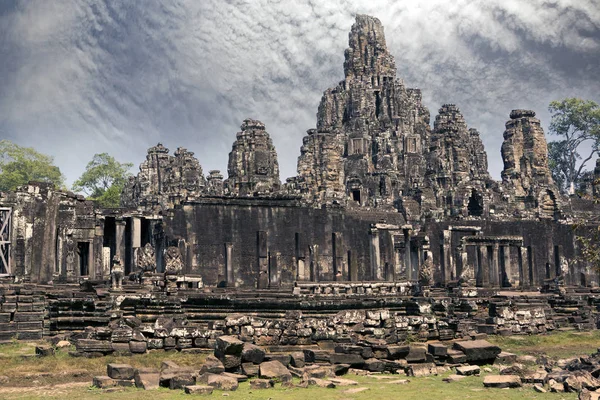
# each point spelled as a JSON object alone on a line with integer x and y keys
{"x": 79, "y": 77}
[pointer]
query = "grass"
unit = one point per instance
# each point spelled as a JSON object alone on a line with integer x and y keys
{"x": 63, "y": 376}
{"x": 556, "y": 345}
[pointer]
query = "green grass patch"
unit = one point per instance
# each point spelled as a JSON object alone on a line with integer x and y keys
{"x": 555, "y": 345}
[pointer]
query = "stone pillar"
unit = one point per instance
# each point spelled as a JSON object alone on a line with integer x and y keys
{"x": 97, "y": 266}
{"x": 120, "y": 239}
{"x": 495, "y": 266}
{"x": 229, "y": 273}
{"x": 449, "y": 267}
{"x": 523, "y": 271}
{"x": 106, "y": 260}
{"x": 412, "y": 276}
{"x": 263, "y": 260}
{"x": 376, "y": 272}
{"x": 338, "y": 256}
{"x": 352, "y": 267}
{"x": 483, "y": 271}
{"x": 510, "y": 275}
{"x": 300, "y": 254}
{"x": 274, "y": 269}
{"x": 314, "y": 262}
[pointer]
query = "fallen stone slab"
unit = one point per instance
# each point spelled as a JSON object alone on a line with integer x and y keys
{"x": 179, "y": 381}
{"x": 198, "y": 389}
{"x": 587, "y": 395}
{"x": 239, "y": 377}
{"x": 374, "y": 365}
{"x": 297, "y": 359}
{"x": 505, "y": 358}
{"x": 343, "y": 382}
{"x": 44, "y": 350}
{"x": 354, "y": 360}
{"x": 120, "y": 371}
{"x": 252, "y": 353}
{"x": 146, "y": 378}
{"x": 103, "y": 382}
{"x": 437, "y": 349}
{"x": 539, "y": 388}
{"x": 212, "y": 365}
{"x": 468, "y": 370}
{"x": 454, "y": 378}
{"x": 502, "y": 381}
{"x": 169, "y": 365}
{"x": 250, "y": 369}
{"x": 274, "y": 370}
{"x": 426, "y": 369}
{"x": 220, "y": 382}
{"x": 478, "y": 350}
{"x": 228, "y": 345}
{"x": 261, "y": 384}
{"x": 321, "y": 383}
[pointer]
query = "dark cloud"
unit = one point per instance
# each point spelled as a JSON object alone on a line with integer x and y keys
{"x": 88, "y": 76}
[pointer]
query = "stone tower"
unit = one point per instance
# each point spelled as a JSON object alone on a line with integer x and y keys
{"x": 371, "y": 130}
{"x": 526, "y": 175}
{"x": 253, "y": 166}
{"x": 457, "y": 167}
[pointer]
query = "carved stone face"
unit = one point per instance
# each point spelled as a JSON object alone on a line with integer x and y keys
{"x": 261, "y": 162}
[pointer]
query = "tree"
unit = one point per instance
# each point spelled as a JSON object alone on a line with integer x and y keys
{"x": 103, "y": 180}
{"x": 20, "y": 165}
{"x": 577, "y": 122}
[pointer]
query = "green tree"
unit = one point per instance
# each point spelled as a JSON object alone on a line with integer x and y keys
{"x": 20, "y": 165}
{"x": 576, "y": 122}
{"x": 103, "y": 180}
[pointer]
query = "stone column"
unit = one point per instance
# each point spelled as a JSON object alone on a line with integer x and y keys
{"x": 314, "y": 262}
{"x": 376, "y": 272}
{"x": 523, "y": 271}
{"x": 510, "y": 276}
{"x": 449, "y": 268}
{"x": 300, "y": 254}
{"x": 494, "y": 267}
{"x": 338, "y": 256}
{"x": 120, "y": 239}
{"x": 412, "y": 276}
{"x": 274, "y": 269}
{"x": 98, "y": 261}
{"x": 263, "y": 260}
{"x": 229, "y": 273}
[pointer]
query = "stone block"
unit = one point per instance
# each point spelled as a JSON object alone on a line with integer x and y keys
{"x": 274, "y": 370}
{"x": 120, "y": 371}
{"x": 502, "y": 381}
{"x": 147, "y": 378}
{"x": 229, "y": 345}
{"x": 138, "y": 347}
{"x": 437, "y": 349}
{"x": 103, "y": 382}
{"x": 252, "y": 353}
{"x": 198, "y": 389}
{"x": 468, "y": 370}
{"x": 220, "y": 382}
{"x": 478, "y": 350}
{"x": 261, "y": 384}
{"x": 250, "y": 369}
{"x": 212, "y": 365}
{"x": 180, "y": 380}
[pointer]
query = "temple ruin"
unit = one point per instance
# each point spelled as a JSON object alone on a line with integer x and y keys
{"x": 385, "y": 211}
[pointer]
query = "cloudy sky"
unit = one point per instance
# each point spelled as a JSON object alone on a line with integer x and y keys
{"x": 79, "y": 77}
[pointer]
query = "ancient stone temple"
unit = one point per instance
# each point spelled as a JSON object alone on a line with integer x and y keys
{"x": 371, "y": 131}
{"x": 380, "y": 197}
{"x": 253, "y": 167}
{"x": 392, "y": 229}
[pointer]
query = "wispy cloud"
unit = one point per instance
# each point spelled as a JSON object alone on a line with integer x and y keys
{"x": 81, "y": 77}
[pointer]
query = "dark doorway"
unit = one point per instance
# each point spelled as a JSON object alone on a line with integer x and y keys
{"x": 83, "y": 251}
{"x": 356, "y": 196}
{"x": 475, "y": 206}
